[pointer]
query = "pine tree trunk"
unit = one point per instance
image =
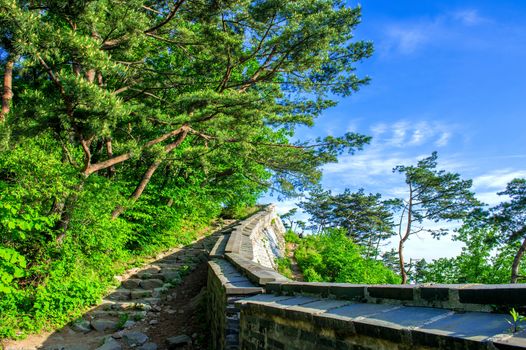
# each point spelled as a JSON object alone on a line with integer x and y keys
{"x": 139, "y": 189}
{"x": 119, "y": 209}
{"x": 516, "y": 262}
{"x": 403, "y": 273}
{"x": 403, "y": 239}
{"x": 8, "y": 90}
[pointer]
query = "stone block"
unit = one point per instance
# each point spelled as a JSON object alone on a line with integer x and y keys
{"x": 504, "y": 294}
{"x": 398, "y": 292}
{"x": 131, "y": 283}
{"x": 347, "y": 291}
{"x": 151, "y": 283}
{"x": 434, "y": 293}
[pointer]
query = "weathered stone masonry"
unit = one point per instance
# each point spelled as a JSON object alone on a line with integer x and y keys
{"x": 251, "y": 306}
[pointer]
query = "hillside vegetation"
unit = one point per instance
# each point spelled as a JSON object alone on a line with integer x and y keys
{"x": 126, "y": 126}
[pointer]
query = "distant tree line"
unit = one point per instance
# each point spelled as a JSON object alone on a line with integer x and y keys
{"x": 494, "y": 238}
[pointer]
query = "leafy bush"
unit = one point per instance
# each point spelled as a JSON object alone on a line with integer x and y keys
{"x": 284, "y": 267}
{"x": 333, "y": 257}
{"x": 291, "y": 237}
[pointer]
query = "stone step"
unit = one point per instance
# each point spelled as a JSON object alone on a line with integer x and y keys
{"x": 132, "y": 314}
{"x": 163, "y": 266}
{"x": 122, "y": 294}
{"x": 138, "y": 304}
{"x": 166, "y": 275}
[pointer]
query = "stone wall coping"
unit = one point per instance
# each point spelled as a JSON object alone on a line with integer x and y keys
{"x": 415, "y": 327}
{"x": 461, "y": 297}
{"x": 255, "y": 272}
{"x": 233, "y": 282}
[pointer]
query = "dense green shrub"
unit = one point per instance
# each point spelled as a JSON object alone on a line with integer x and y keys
{"x": 292, "y": 237}
{"x": 333, "y": 257}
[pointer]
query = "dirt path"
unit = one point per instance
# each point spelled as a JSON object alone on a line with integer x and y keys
{"x": 297, "y": 275}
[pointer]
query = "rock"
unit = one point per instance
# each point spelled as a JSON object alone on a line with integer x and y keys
{"x": 143, "y": 306}
{"x": 63, "y": 347}
{"x": 131, "y": 283}
{"x": 152, "y": 270}
{"x": 194, "y": 335}
{"x": 128, "y": 324}
{"x": 151, "y": 283}
{"x": 153, "y": 322}
{"x": 152, "y": 301}
{"x": 157, "y": 292}
{"x": 140, "y": 293}
{"x": 178, "y": 341}
{"x": 134, "y": 338}
{"x": 102, "y": 324}
{"x": 172, "y": 276}
{"x": 170, "y": 311}
{"x": 117, "y": 335}
{"x": 148, "y": 346}
{"x": 157, "y": 308}
{"x": 81, "y": 326}
{"x": 110, "y": 344}
{"x": 120, "y": 294}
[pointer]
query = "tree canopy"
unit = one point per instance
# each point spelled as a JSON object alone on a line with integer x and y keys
{"x": 365, "y": 218}
{"x": 124, "y": 122}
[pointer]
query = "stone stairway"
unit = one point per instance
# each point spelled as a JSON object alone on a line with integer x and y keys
{"x": 128, "y": 316}
{"x": 142, "y": 289}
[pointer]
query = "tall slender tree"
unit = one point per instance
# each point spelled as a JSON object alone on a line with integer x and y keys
{"x": 434, "y": 195}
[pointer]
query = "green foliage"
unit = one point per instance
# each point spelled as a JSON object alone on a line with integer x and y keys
{"x": 483, "y": 258}
{"x": 516, "y": 320}
{"x": 366, "y": 218}
{"x": 284, "y": 267}
{"x": 133, "y": 124}
{"x": 12, "y": 266}
{"x": 333, "y": 257}
{"x": 291, "y": 237}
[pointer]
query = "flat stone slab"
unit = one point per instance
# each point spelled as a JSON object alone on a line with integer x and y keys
{"x": 102, "y": 325}
{"x": 512, "y": 341}
{"x": 134, "y": 338}
{"x": 110, "y": 344}
{"x": 151, "y": 283}
{"x": 362, "y": 310}
{"x": 476, "y": 326}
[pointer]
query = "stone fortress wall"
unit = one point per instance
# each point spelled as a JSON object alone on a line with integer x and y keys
{"x": 251, "y": 306}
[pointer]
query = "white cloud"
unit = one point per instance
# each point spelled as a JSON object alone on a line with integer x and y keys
{"x": 404, "y": 134}
{"x": 399, "y": 131}
{"x": 411, "y": 36}
{"x": 422, "y": 132}
{"x": 378, "y": 129}
{"x": 497, "y": 179}
{"x": 405, "y": 40}
{"x": 443, "y": 139}
{"x": 469, "y": 17}
{"x": 489, "y": 198}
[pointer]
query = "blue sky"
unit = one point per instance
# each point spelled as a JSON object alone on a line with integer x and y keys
{"x": 448, "y": 76}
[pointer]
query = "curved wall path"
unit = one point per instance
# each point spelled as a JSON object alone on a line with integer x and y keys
{"x": 251, "y": 306}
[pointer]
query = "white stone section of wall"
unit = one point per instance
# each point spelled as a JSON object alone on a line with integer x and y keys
{"x": 267, "y": 239}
